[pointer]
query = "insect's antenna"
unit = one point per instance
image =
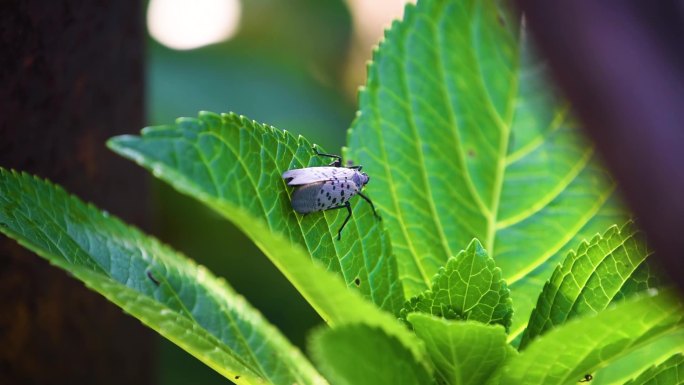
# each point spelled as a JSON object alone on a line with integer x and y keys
{"x": 371, "y": 204}
{"x": 338, "y": 159}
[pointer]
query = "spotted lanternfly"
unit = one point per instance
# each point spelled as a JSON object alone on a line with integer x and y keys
{"x": 327, "y": 187}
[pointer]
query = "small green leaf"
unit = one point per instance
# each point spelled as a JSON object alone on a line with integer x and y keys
{"x": 670, "y": 372}
{"x": 610, "y": 267}
{"x": 464, "y": 353}
{"x": 463, "y": 140}
{"x": 357, "y": 354}
{"x": 234, "y": 166}
{"x": 169, "y": 293}
{"x": 468, "y": 287}
{"x": 583, "y": 345}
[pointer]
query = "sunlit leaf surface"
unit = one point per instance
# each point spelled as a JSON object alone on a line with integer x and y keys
{"x": 166, "y": 291}
{"x": 363, "y": 355}
{"x": 670, "y": 372}
{"x": 464, "y": 353}
{"x": 463, "y": 140}
{"x": 235, "y": 165}
{"x": 581, "y": 346}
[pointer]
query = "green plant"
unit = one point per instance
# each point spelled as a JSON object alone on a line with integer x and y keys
{"x": 485, "y": 189}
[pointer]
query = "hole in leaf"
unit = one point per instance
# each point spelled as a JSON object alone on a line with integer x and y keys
{"x": 151, "y": 277}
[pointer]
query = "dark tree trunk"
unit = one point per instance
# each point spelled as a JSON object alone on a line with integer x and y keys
{"x": 621, "y": 64}
{"x": 71, "y": 75}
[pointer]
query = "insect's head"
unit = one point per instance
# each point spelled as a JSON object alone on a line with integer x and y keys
{"x": 361, "y": 178}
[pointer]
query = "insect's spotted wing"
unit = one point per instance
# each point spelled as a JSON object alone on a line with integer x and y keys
{"x": 324, "y": 195}
{"x": 303, "y": 176}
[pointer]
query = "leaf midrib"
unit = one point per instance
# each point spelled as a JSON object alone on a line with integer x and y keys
{"x": 504, "y": 125}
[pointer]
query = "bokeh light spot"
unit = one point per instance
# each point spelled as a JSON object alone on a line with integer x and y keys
{"x": 183, "y": 24}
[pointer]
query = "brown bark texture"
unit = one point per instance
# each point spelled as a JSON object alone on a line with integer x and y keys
{"x": 71, "y": 76}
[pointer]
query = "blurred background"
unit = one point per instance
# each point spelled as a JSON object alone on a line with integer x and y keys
{"x": 294, "y": 64}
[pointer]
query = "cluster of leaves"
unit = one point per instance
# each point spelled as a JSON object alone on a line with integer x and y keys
{"x": 485, "y": 188}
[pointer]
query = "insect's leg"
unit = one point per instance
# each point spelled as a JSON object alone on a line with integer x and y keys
{"x": 350, "y": 164}
{"x": 348, "y": 207}
{"x": 371, "y": 203}
{"x": 336, "y": 163}
{"x": 349, "y": 214}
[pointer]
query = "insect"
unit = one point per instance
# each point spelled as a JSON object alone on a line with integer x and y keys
{"x": 587, "y": 378}
{"x": 327, "y": 187}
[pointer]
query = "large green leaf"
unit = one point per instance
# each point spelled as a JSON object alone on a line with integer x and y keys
{"x": 463, "y": 352}
{"x": 609, "y": 267}
{"x": 468, "y": 287}
{"x": 670, "y": 372}
{"x": 235, "y": 165}
{"x": 182, "y": 301}
{"x": 463, "y": 140}
{"x": 565, "y": 354}
{"x": 357, "y": 354}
